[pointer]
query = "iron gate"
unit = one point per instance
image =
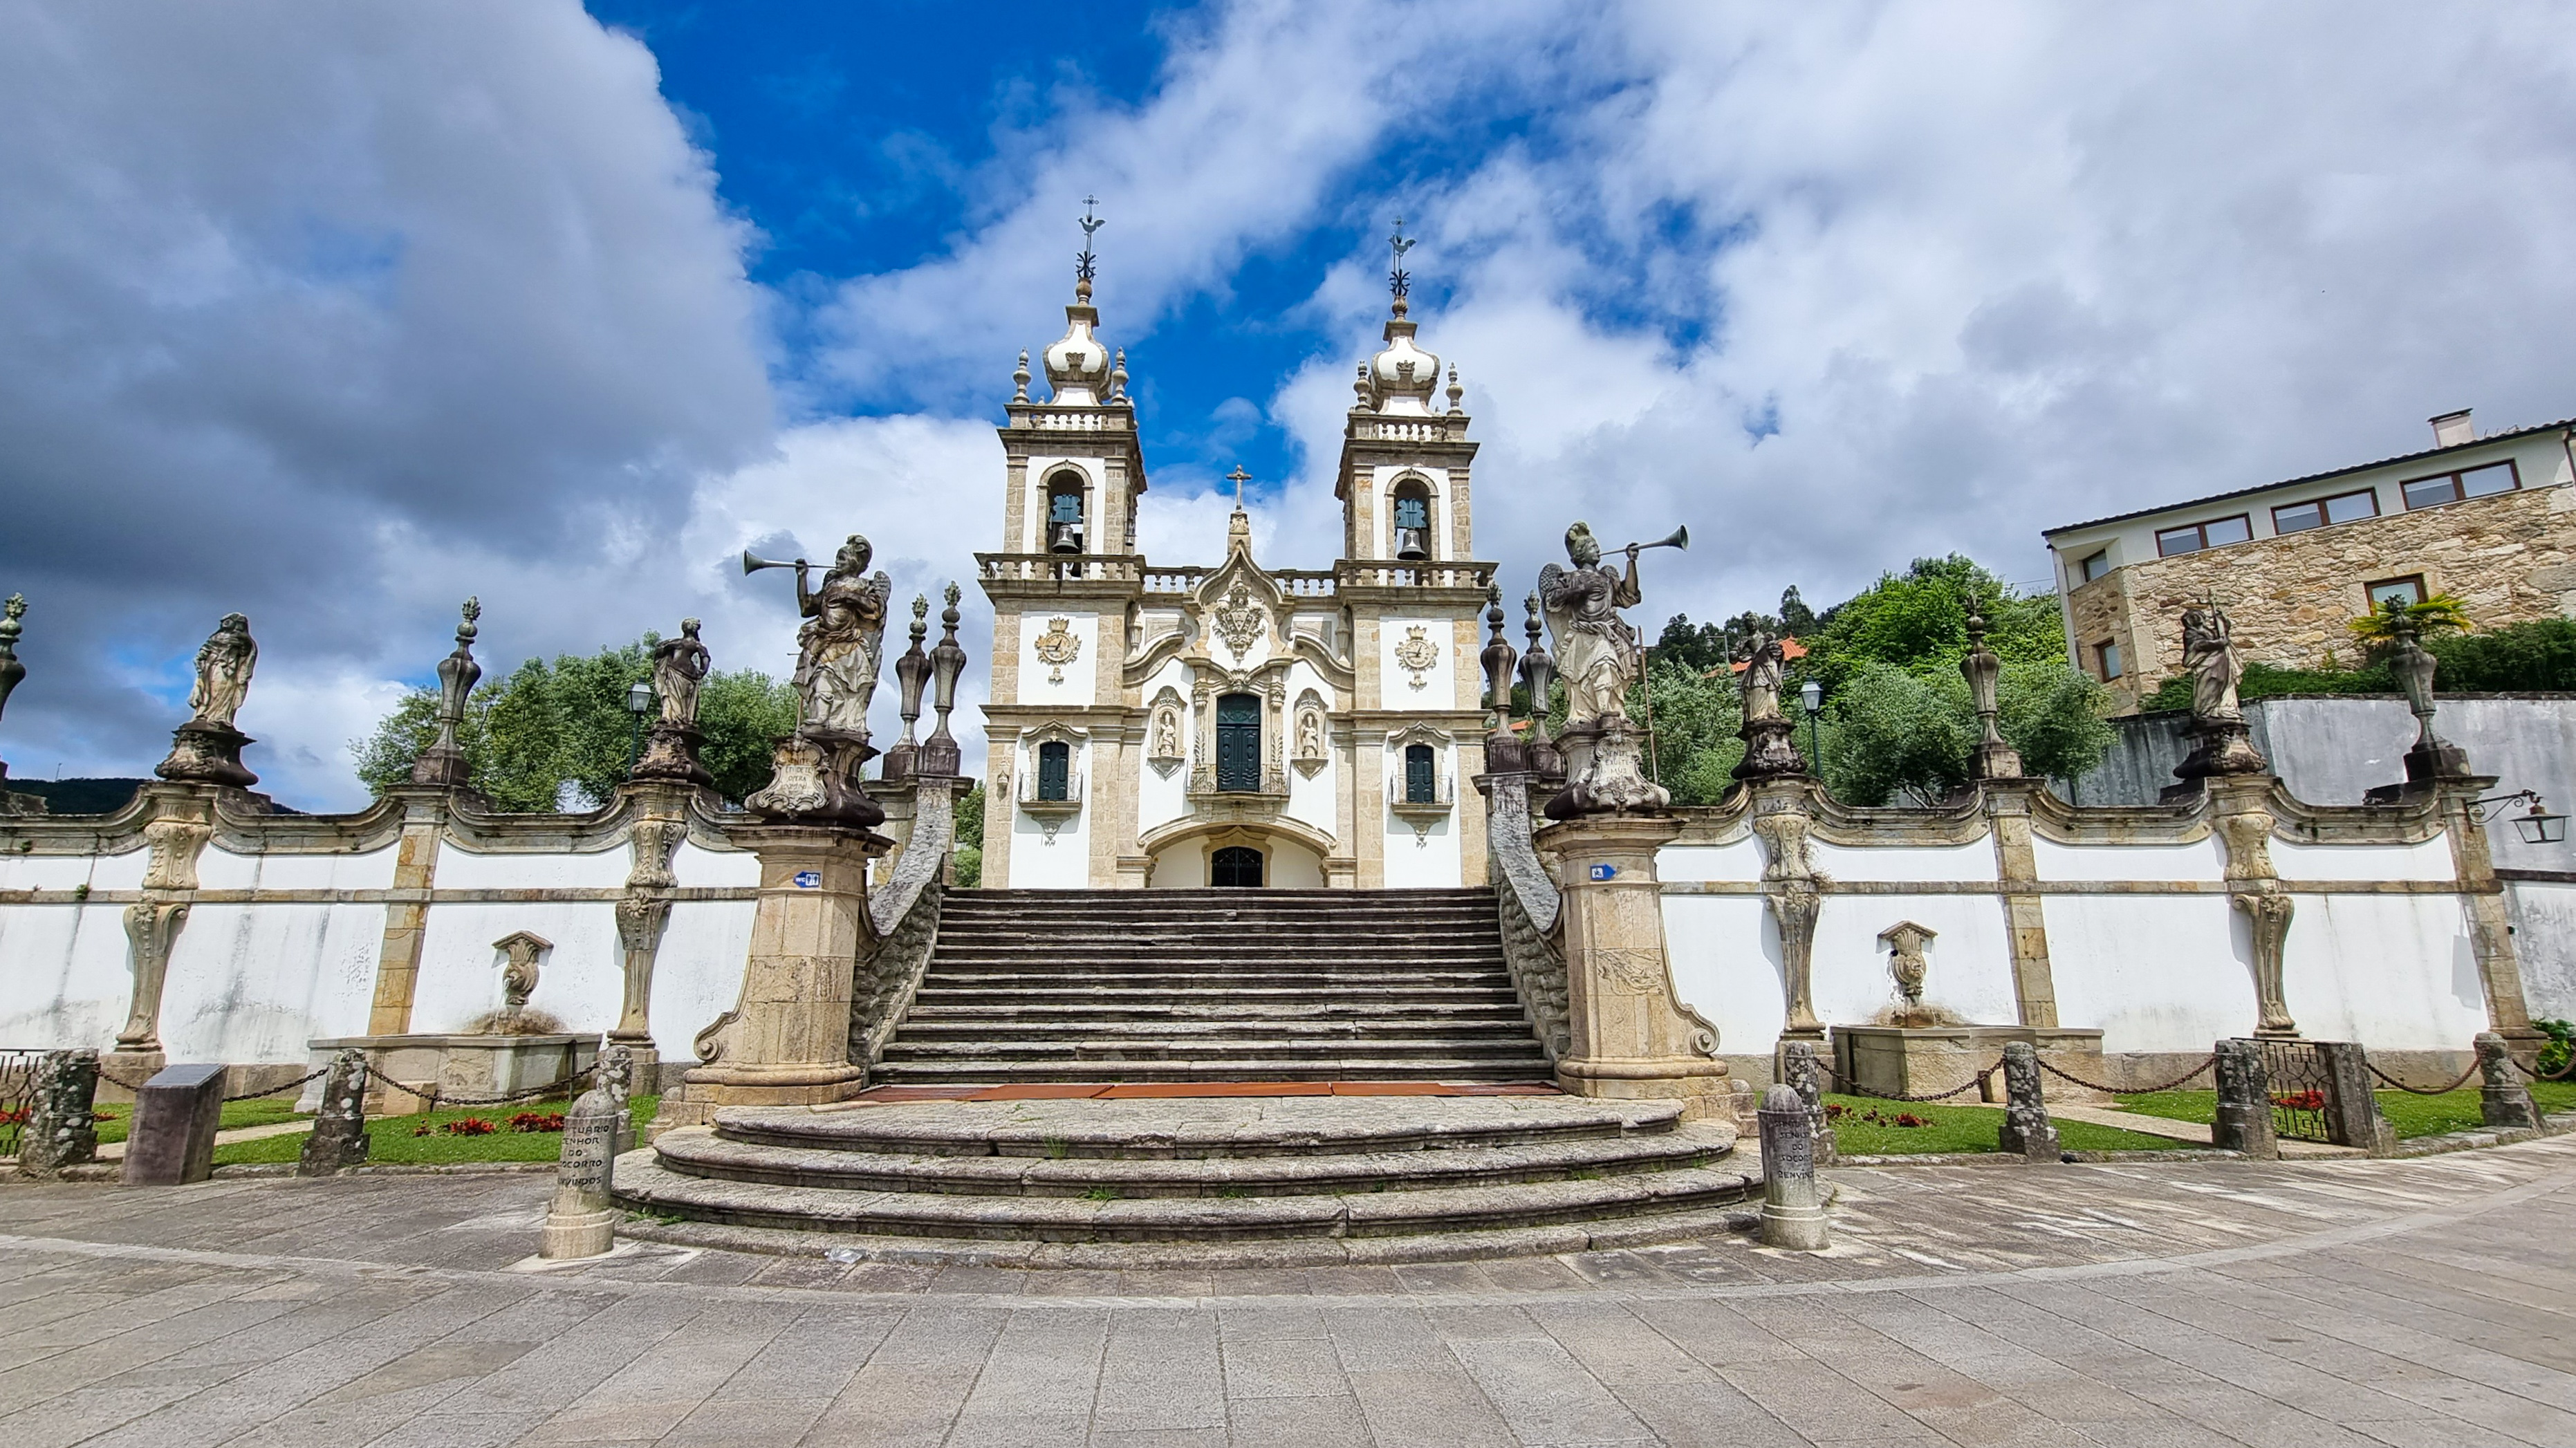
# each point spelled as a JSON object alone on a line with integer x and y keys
{"x": 17, "y": 1095}
{"x": 2302, "y": 1089}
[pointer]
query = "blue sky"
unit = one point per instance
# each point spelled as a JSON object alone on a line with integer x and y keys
{"x": 335, "y": 315}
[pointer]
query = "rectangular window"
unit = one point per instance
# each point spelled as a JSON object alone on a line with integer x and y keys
{"x": 2096, "y": 563}
{"x": 2408, "y": 590}
{"x": 2193, "y": 537}
{"x": 2342, "y": 508}
{"x": 2107, "y": 654}
{"x": 2468, "y": 483}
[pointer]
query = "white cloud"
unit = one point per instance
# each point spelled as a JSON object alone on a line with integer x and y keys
{"x": 333, "y": 315}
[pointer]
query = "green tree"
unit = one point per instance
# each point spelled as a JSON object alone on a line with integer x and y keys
{"x": 1919, "y": 620}
{"x": 558, "y": 734}
{"x": 1911, "y": 734}
{"x": 970, "y": 839}
{"x": 1695, "y": 722}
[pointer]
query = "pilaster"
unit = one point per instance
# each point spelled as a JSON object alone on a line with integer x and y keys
{"x": 182, "y": 820}
{"x": 786, "y": 1042}
{"x": 425, "y": 812}
{"x": 1632, "y": 1036}
{"x": 2007, "y": 806}
{"x": 2482, "y": 900}
{"x": 2240, "y": 811}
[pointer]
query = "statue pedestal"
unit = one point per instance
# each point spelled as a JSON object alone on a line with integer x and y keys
{"x": 207, "y": 754}
{"x": 786, "y": 1042}
{"x": 671, "y": 752}
{"x": 2219, "y": 747}
{"x": 1632, "y": 1038}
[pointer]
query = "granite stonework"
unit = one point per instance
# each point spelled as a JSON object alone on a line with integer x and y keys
{"x": 787, "y": 1039}
{"x": 2244, "y": 1116}
{"x": 1206, "y": 1181}
{"x": 2026, "y": 1131}
{"x": 445, "y": 1066}
{"x": 1925, "y": 1060}
{"x": 1632, "y": 1037}
{"x": 339, "y": 1139}
{"x": 580, "y": 1220}
{"x": 2503, "y": 1098}
{"x": 61, "y": 1129}
{"x": 172, "y": 1137}
{"x": 2506, "y": 558}
{"x": 1793, "y": 1209}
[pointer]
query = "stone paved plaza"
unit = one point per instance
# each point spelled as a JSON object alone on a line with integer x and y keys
{"x": 2350, "y": 1302}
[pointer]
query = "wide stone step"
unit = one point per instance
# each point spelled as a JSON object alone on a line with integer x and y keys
{"x": 644, "y": 1185}
{"x": 1407, "y": 982}
{"x": 699, "y": 1153}
{"x": 896, "y": 1070}
{"x": 1166, "y": 1045}
{"x": 1231, "y": 1127}
{"x": 1074, "y": 1006}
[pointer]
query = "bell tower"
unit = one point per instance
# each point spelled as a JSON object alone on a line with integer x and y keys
{"x": 1403, "y": 484}
{"x": 1073, "y": 469}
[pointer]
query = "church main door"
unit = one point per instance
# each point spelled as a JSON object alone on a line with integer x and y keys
{"x": 1238, "y": 743}
{"x": 1238, "y": 866}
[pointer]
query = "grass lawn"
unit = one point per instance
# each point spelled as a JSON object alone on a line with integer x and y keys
{"x": 398, "y": 1138}
{"x": 1961, "y": 1128}
{"x": 114, "y": 1120}
{"x": 2410, "y": 1115}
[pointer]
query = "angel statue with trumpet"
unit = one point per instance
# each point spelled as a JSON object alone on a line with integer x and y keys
{"x": 1599, "y": 658}
{"x": 815, "y": 772}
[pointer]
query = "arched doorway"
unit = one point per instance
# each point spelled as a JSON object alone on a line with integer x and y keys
{"x": 1235, "y": 866}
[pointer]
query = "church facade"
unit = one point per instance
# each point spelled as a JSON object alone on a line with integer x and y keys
{"x": 1163, "y": 726}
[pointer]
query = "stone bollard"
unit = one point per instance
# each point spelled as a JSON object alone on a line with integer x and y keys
{"x": 339, "y": 1140}
{"x": 616, "y": 1070}
{"x": 2352, "y": 1108}
{"x": 579, "y": 1221}
{"x": 2244, "y": 1121}
{"x": 2027, "y": 1132}
{"x": 2503, "y": 1100}
{"x": 1798, "y": 1060}
{"x": 62, "y": 1119}
{"x": 1793, "y": 1212}
{"x": 176, "y": 1115}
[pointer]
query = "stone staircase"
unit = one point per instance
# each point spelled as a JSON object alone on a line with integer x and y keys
{"x": 1215, "y": 985}
{"x": 1278, "y": 1181}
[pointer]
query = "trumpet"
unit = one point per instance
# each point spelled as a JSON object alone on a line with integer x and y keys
{"x": 1678, "y": 538}
{"x": 753, "y": 563}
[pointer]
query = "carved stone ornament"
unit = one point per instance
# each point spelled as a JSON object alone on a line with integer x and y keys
{"x": 1905, "y": 941}
{"x": 1057, "y": 647}
{"x": 1240, "y": 621}
{"x": 521, "y": 954}
{"x": 1416, "y": 654}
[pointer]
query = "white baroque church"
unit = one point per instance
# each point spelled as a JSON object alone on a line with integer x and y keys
{"x": 1162, "y": 726}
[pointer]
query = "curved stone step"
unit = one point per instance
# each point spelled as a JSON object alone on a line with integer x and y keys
{"x": 1235, "y": 1127}
{"x": 642, "y": 1184}
{"x": 1148, "y": 1073}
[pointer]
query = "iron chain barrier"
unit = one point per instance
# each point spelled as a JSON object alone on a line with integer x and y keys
{"x": 2389, "y": 1080}
{"x": 2206, "y": 1062}
{"x": 1854, "y": 1088}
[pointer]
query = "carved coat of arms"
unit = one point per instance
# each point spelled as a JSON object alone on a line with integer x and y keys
{"x": 1240, "y": 620}
{"x": 1057, "y": 647}
{"x": 1417, "y": 654}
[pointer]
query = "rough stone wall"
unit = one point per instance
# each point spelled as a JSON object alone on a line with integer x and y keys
{"x": 2509, "y": 559}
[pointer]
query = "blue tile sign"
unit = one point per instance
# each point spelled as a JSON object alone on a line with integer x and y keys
{"x": 809, "y": 879}
{"x": 1604, "y": 872}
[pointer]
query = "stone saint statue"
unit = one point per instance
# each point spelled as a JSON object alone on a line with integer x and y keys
{"x": 1597, "y": 654}
{"x": 1167, "y": 735}
{"x": 224, "y": 668}
{"x": 2209, "y": 651}
{"x": 1762, "y": 660}
{"x": 839, "y": 646}
{"x": 679, "y": 667}
{"x": 1310, "y": 735}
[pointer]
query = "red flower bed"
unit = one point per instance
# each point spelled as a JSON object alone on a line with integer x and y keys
{"x": 537, "y": 1121}
{"x": 15, "y": 1117}
{"x": 2301, "y": 1101}
{"x": 469, "y": 1126}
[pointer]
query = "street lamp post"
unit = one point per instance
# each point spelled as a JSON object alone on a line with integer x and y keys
{"x": 639, "y": 702}
{"x": 1812, "y": 694}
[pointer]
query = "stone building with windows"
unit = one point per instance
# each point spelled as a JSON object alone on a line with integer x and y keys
{"x": 1161, "y": 726}
{"x": 2489, "y": 520}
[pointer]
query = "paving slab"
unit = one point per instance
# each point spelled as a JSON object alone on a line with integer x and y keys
{"x": 2416, "y": 1301}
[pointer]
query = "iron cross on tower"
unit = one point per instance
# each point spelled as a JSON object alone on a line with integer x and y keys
{"x": 1084, "y": 263}
{"x": 1398, "y": 279}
